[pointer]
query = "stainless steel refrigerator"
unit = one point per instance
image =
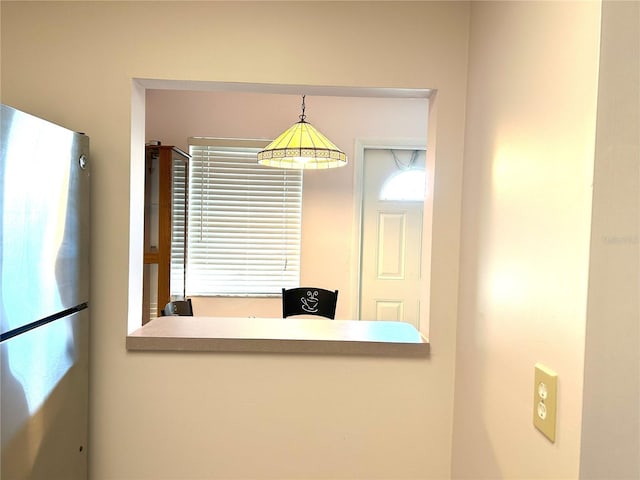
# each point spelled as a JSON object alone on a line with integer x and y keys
{"x": 44, "y": 299}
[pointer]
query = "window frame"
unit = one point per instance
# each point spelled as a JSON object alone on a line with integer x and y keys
{"x": 264, "y": 228}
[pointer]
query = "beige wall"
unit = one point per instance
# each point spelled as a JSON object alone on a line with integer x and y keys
{"x": 525, "y": 260}
{"x": 245, "y": 416}
{"x": 529, "y": 147}
{"x": 611, "y": 413}
{"x": 328, "y": 229}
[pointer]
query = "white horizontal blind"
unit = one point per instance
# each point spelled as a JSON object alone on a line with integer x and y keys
{"x": 179, "y": 204}
{"x": 244, "y": 221}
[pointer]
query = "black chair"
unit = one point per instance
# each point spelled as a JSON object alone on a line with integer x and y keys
{"x": 309, "y": 301}
{"x": 178, "y": 308}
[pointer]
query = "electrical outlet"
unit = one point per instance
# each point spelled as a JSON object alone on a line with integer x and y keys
{"x": 545, "y": 393}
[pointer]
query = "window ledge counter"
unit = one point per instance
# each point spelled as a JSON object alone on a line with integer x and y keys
{"x": 278, "y": 335}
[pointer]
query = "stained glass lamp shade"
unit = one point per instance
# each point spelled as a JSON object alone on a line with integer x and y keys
{"x": 302, "y": 147}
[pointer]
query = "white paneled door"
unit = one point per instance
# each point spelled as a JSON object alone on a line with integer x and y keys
{"x": 391, "y": 241}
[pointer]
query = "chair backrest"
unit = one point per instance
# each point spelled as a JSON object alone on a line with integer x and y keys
{"x": 309, "y": 301}
{"x": 179, "y": 308}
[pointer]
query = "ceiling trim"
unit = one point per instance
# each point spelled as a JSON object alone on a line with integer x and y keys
{"x": 314, "y": 90}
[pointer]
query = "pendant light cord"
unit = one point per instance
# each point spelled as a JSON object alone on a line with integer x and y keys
{"x": 302, "y": 116}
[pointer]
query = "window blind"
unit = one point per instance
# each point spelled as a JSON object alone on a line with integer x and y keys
{"x": 244, "y": 221}
{"x": 179, "y": 189}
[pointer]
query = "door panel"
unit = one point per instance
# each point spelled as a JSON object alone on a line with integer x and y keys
{"x": 391, "y": 245}
{"x": 44, "y": 222}
{"x": 393, "y": 311}
{"x": 44, "y": 379}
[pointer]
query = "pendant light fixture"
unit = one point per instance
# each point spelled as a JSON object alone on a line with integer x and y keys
{"x": 302, "y": 147}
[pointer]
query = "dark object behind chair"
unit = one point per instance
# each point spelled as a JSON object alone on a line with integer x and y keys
{"x": 179, "y": 308}
{"x": 309, "y": 301}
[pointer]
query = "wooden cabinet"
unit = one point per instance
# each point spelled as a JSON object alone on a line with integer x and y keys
{"x": 165, "y": 227}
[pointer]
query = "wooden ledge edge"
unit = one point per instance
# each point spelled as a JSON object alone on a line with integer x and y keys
{"x": 274, "y": 345}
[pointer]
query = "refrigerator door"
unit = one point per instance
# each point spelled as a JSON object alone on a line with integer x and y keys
{"x": 44, "y": 228}
{"x": 44, "y": 409}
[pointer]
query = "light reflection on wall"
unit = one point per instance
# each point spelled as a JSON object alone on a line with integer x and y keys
{"x": 508, "y": 286}
{"x": 31, "y": 239}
